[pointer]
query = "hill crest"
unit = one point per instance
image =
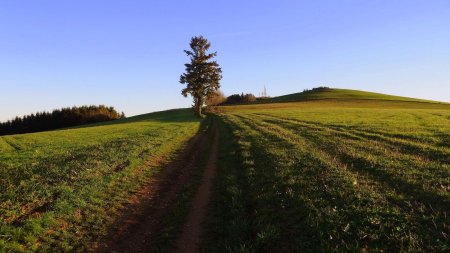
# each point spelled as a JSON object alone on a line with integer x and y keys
{"x": 335, "y": 93}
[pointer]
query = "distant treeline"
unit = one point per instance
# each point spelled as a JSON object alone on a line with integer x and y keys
{"x": 218, "y": 98}
{"x": 60, "y": 118}
{"x": 239, "y": 99}
{"x": 320, "y": 88}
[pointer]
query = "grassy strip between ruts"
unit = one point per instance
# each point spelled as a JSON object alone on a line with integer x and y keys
{"x": 228, "y": 221}
{"x": 173, "y": 222}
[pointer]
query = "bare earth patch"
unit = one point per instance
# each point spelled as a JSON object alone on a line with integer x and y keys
{"x": 191, "y": 233}
{"x": 142, "y": 218}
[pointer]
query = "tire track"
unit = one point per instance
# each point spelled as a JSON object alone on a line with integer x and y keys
{"x": 191, "y": 234}
{"x": 143, "y": 218}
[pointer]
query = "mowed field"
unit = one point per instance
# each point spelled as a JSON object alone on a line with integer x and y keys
{"x": 335, "y": 171}
{"x": 60, "y": 190}
{"x": 333, "y": 175}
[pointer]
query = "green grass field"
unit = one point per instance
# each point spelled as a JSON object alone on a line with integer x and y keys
{"x": 335, "y": 171}
{"x": 59, "y": 190}
{"x": 333, "y": 176}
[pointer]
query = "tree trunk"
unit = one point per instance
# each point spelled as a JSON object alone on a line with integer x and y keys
{"x": 198, "y": 106}
{"x": 198, "y": 110}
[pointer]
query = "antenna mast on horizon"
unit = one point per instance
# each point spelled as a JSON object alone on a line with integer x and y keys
{"x": 263, "y": 94}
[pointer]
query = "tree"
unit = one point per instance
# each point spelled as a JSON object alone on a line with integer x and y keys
{"x": 249, "y": 98}
{"x": 233, "y": 99}
{"x": 216, "y": 98}
{"x": 202, "y": 76}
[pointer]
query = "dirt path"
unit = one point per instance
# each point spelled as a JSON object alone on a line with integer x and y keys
{"x": 191, "y": 233}
{"x": 141, "y": 220}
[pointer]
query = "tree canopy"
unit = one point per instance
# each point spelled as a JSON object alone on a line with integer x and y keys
{"x": 202, "y": 75}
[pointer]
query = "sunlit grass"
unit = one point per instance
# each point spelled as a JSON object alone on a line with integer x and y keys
{"x": 60, "y": 189}
{"x": 335, "y": 176}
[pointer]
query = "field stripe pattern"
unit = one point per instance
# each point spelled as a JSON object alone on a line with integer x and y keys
{"x": 344, "y": 179}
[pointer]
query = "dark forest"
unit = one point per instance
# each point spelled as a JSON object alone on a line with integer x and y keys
{"x": 60, "y": 118}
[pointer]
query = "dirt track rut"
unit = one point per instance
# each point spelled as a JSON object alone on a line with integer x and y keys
{"x": 142, "y": 219}
{"x": 191, "y": 234}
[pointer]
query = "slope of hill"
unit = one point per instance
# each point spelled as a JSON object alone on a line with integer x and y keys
{"x": 58, "y": 189}
{"x": 342, "y": 94}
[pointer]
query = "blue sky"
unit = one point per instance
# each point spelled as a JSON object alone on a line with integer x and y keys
{"x": 129, "y": 54}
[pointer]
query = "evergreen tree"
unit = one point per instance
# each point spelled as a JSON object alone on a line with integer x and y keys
{"x": 202, "y": 76}
{"x": 59, "y": 118}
